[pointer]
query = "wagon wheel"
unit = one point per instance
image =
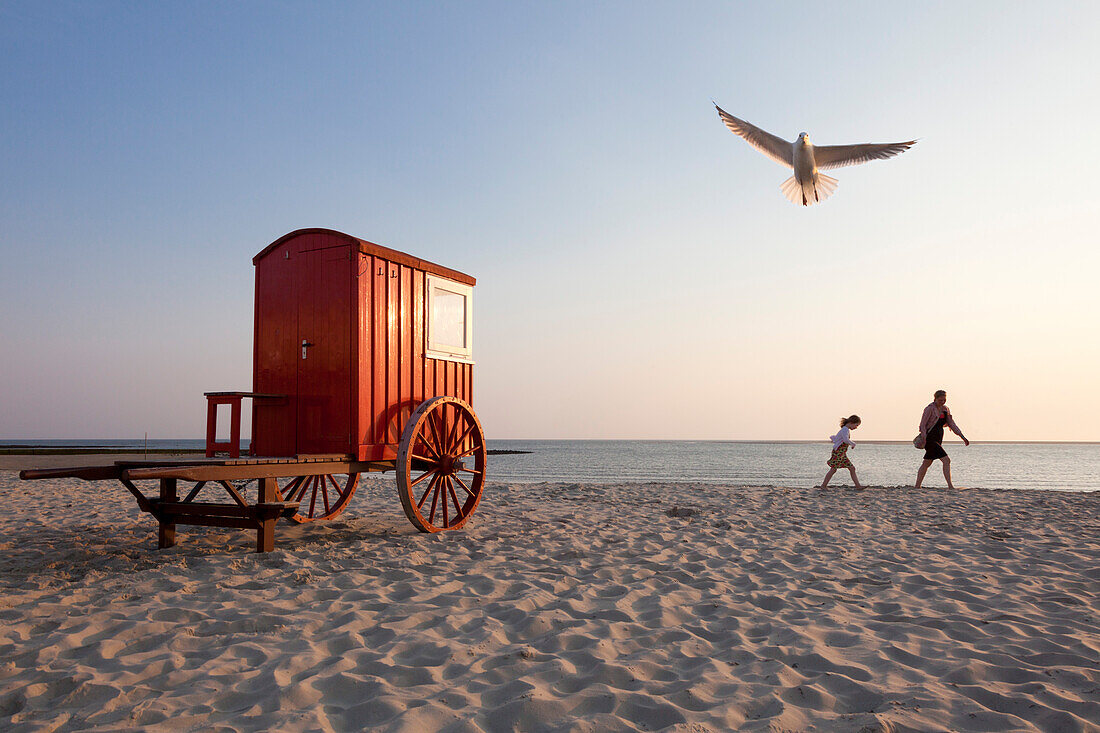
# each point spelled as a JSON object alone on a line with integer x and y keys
{"x": 438, "y": 489}
{"x": 322, "y": 496}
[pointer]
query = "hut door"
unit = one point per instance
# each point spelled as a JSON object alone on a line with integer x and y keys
{"x": 323, "y": 351}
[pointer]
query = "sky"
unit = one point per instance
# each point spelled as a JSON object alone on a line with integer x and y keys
{"x": 640, "y": 275}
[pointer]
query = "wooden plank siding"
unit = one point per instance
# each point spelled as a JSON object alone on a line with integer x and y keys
{"x": 355, "y": 327}
{"x": 377, "y": 376}
{"x": 393, "y": 353}
{"x": 417, "y": 330}
{"x": 364, "y": 429}
{"x": 405, "y": 331}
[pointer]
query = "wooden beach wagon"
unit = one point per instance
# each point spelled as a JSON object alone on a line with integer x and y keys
{"x": 362, "y": 361}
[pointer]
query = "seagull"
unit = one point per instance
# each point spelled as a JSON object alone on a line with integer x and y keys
{"x": 807, "y": 185}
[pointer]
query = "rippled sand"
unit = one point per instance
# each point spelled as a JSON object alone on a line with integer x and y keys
{"x": 560, "y": 607}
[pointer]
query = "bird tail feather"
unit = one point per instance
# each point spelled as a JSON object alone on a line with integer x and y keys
{"x": 791, "y": 190}
{"x": 826, "y": 186}
{"x": 819, "y": 189}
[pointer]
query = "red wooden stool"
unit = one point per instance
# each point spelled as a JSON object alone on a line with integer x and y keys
{"x": 233, "y": 399}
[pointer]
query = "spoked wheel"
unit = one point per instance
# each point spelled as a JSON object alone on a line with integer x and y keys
{"x": 441, "y": 464}
{"x": 321, "y": 497}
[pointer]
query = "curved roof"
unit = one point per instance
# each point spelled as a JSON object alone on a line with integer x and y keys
{"x": 376, "y": 250}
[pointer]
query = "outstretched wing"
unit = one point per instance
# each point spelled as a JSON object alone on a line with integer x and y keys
{"x": 774, "y": 147}
{"x": 838, "y": 156}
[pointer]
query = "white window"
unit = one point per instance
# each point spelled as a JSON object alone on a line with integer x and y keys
{"x": 450, "y": 320}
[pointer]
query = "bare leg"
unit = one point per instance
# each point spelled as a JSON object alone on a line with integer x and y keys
{"x": 829, "y": 475}
{"x": 855, "y": 480}
{"x": 947, "y": 471}
{"x": 921, "y": 471}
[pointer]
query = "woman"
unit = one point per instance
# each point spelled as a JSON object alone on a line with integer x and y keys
{"x": 935, "y": 417}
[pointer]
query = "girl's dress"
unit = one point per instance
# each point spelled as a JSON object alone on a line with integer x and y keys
{"x": 933, "y": 446}
{"x": 839, "y": 458}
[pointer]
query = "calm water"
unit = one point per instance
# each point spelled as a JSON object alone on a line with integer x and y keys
{"x": 1065, "y": 466}
{"x": 128, "y": 443}
{"x": 1060, "y": 466}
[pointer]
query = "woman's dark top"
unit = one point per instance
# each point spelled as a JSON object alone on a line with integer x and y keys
{"x": 933, "y": 445}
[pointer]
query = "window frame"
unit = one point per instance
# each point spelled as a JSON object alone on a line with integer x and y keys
{"x": 448, "y": 352}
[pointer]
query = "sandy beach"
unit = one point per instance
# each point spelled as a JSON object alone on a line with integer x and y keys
{"x": 560, "y": 607}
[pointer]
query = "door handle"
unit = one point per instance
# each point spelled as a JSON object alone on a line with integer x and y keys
{"x": 305, "y": 345}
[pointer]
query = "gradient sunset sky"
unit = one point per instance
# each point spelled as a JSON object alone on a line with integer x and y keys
{"x": 640, "y": 275}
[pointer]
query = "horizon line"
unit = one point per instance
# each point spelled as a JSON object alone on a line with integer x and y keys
{"x": 27, "y": 442}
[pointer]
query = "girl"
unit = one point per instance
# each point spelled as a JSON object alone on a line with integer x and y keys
{"x": 840, "y": 459}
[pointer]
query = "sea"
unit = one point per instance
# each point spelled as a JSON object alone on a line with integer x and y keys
{"x": 1038, "y": 466}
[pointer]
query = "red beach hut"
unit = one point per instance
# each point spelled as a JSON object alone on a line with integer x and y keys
{"x": 356, "y": 336}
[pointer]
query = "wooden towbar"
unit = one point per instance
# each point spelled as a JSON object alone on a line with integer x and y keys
{"x": 88, "y": 473}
